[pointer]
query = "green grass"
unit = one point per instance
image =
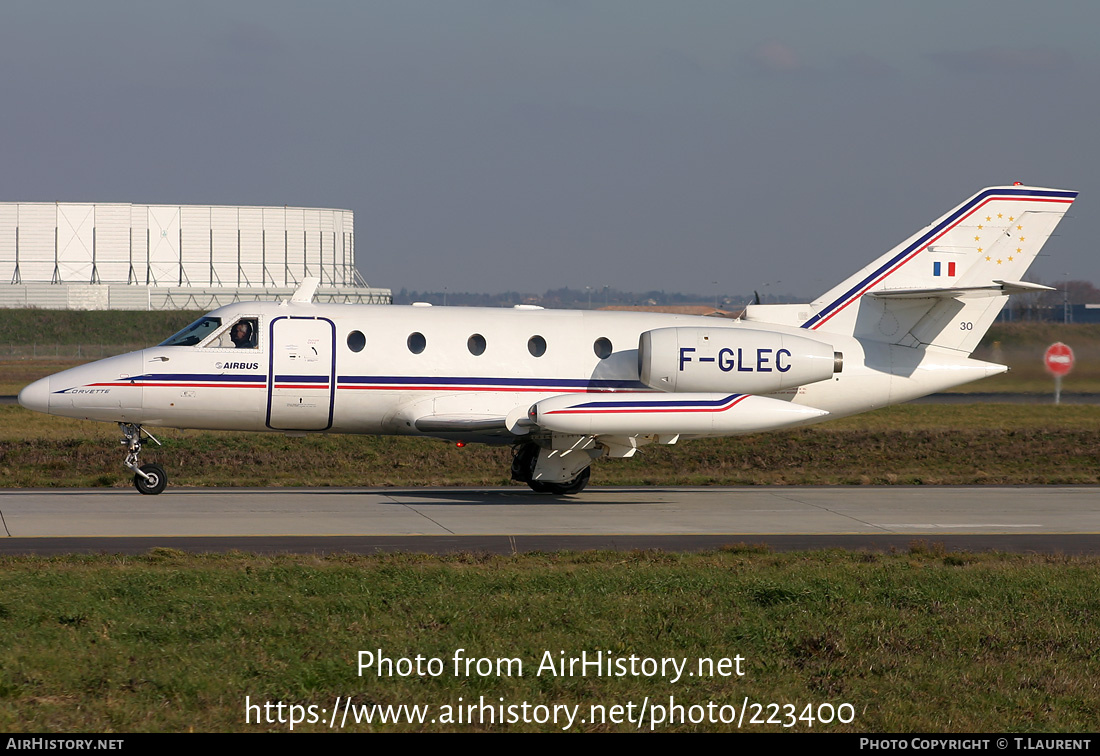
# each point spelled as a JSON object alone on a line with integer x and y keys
{"x": 70, "y": 327}
{"x": 1021, "y": 347}
{"x": 907, "y": 444}
{"x": 15, "y": 374}
{"x": 918, "y": 642}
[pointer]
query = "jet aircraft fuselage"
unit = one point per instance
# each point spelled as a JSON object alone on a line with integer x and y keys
{"x": 565, "y": 386}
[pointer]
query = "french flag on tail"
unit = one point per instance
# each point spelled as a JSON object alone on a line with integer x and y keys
{"x": 938, "y": 269}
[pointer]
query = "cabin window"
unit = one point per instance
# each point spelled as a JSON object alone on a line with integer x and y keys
{"x": 536, "y": 345}
{"x": 476, "y": 344}
{"x": 417, "y": 342}
{"x": 602, "y": 348}
{"x": 356, "y": 341}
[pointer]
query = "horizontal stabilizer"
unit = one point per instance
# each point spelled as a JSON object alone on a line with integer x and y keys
{"x": 995, "y": 289}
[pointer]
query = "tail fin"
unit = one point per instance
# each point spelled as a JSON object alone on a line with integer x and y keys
{"x": 945, "y": 284}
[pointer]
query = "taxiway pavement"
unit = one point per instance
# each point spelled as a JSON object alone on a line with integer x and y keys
{"x": 1043, "y": 518}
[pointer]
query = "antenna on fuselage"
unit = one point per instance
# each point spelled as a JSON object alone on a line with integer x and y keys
{"x": 305, "y": 291}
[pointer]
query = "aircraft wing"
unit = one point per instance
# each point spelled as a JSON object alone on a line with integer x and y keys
{"x": 625, "y": 414}
{"x": 668, "y": 414}
{"x": 461, "y": 423}
{"x": 473, "y": 413}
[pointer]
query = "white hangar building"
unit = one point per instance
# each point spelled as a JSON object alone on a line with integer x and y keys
{"x": 98, "y": 256}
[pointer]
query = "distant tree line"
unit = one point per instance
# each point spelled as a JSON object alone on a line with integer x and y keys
{"x": 579, "y": 299}
{"x": 1066, "y": 302}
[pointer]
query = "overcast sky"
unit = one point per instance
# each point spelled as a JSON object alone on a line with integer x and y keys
{"x": 500, "y": 144}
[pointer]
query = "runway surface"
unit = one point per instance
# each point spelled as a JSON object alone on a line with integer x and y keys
{"x": 505, "y": 520}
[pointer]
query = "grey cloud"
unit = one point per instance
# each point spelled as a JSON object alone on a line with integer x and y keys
{"x": 861, "y": 64}
{"x": 1032, "y": 60}
{"x": 776, "y": 57}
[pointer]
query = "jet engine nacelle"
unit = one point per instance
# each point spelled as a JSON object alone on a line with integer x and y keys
{"x": 732, "y": 359}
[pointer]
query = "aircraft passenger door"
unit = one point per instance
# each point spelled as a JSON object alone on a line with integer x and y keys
{"x": 302, "y": 373}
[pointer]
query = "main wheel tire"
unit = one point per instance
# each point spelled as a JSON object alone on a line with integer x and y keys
{"x": 574, "y": 486}
{"x": 524, "y": 461}
{"x": 155, "y": 483}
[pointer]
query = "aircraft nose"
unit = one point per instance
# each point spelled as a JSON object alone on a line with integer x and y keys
{"x": 36, "y": 396}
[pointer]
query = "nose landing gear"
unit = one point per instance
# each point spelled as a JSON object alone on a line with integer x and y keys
{"x": 148, "y": 479}
{"x": 155, "y": 480}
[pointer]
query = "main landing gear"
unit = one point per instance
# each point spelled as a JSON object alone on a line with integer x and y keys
{"x": 148, "y": 479}
{"x": 526, "y": 469}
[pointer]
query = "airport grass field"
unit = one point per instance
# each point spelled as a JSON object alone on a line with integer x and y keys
{"x": 1002, "y": 444}
{"x": 920, "y": 641}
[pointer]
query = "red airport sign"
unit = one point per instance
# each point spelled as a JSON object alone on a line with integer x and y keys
{"x": 1058, "y": 359}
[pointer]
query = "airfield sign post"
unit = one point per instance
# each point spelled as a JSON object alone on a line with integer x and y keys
{"x": 1059, "y": 361}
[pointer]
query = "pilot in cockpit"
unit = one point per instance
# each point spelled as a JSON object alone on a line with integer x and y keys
{"x": 242, "y": 335}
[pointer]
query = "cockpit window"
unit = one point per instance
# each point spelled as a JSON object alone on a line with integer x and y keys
{"x": 244, "y": 333}
{"x": 193, "y": 333}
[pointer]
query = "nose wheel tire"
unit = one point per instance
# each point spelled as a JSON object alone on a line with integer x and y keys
{"x": 156, "y": 481}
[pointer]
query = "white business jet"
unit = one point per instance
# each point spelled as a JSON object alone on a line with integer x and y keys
{"x": 565, "y": 387}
